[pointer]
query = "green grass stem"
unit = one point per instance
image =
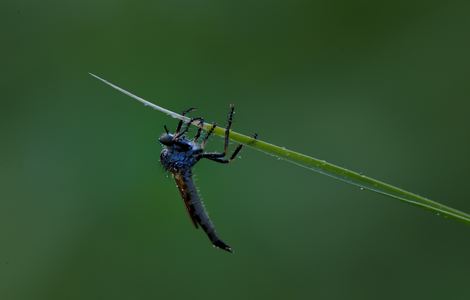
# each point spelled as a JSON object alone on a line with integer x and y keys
{"x": 317, "y": 165}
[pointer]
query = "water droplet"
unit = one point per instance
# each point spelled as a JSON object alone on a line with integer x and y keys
{"x": 362, "y": 188}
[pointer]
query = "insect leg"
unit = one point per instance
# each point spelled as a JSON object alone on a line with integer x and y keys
{"x": 211, "y": 130}
{"x": 227, "y": 129}
{"x": 180, "y": 123}
{"x": 234, "y": 154}
{"x": 199, "y": 130}
{"x": 186, "y": 128}
{"x": 227, "y": 132}
{"x": 219, "y": 157}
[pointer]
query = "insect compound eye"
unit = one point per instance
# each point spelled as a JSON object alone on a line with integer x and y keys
{"x": 166, "y": 139}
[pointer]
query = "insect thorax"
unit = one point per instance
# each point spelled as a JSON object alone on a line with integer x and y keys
{"x": 177, "y": 161}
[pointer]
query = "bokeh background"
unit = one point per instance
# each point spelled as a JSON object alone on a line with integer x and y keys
{"x": 380, "y": 87}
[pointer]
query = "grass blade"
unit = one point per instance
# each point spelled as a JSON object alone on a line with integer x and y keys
{"x": 317, "y": 165}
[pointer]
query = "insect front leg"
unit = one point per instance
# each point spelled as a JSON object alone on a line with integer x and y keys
{"x": 180, "y": 123}
{"x": 186, "y": 128}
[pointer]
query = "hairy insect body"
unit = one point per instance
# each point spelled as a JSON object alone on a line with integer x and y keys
{"x": 179, "y": 160}
{"x": 179, "y": 156}
{"x": 175, "y": 159}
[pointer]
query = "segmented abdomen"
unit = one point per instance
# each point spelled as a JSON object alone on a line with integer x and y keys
{"x": 196, "y": 209}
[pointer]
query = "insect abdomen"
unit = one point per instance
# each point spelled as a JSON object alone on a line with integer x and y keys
{"x": 196, "y": 208}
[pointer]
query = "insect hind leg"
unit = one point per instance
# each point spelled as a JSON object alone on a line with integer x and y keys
{"x": 220, "y": 156}
{"x": 227, "y": 128}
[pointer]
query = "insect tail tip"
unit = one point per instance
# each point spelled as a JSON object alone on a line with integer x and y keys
{"x": 222, "y": 245}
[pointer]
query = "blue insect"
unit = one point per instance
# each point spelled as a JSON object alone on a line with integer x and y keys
{"x": 180, "y": 154}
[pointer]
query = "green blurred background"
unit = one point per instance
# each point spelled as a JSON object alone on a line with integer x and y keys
{"x": 380, "y": 87}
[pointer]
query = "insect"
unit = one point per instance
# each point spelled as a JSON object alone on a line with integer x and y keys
{"x": 180, "y": 154}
